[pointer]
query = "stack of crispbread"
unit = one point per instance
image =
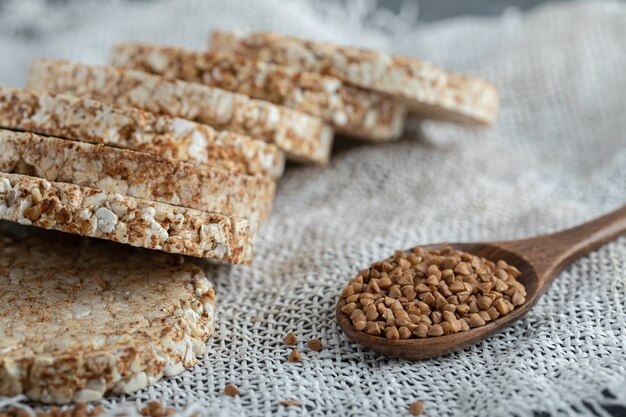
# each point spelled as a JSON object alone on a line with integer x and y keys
{"x": 112, "y": 191}
{"x": 173, "y": 150}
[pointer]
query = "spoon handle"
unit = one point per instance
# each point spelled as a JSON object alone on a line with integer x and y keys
{"x": 550, "y": 254}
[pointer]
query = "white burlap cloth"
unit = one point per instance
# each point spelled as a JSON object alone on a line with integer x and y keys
{"x": 556, "y": 157}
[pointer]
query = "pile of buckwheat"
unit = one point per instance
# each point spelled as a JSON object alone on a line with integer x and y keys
{"x": 431, "y": 293}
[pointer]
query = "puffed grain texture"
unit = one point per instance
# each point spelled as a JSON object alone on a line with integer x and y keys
{"x": 431, "y": 91}
{"x": 80, "y": 318}
{"x": 137, "y": 174}
{"x": 351, "y": 110}
{"x": 126, "y": 127}
{"x": 300, "y": 135}
{"x": 90, "y": 212}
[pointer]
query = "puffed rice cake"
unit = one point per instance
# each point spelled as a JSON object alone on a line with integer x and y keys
{"x": 432, "y": 92}
{"x": 137, "y": 174}
{"x": 351, "y": 110}
{"x": 89, "y": 212}
{"x": 301, "y": 136}
{"x": 126, "y": 127}
{"x": 80, "y": 318}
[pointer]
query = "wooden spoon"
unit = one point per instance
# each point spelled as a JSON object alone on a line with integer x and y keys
{"x": 539, "y": 259}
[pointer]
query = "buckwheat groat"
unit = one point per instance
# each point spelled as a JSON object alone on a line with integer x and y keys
{"x": 90, "y": 212}
{"x": 301, "y": 136}
{"x": 431, "y": 91}
{"x": 420, "y": 294}
{"x": 351, "y": 110}
{"x": 137, "y": 174}
{"x": 79, "y": 318}
{"x": 126, "y": 127}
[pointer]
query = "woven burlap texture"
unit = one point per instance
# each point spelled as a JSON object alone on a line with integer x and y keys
{"x": 556, "y": 157}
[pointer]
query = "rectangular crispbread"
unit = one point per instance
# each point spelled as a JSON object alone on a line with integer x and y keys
{"x": 431, "y": 91}
{"x": 301, "y": 136}
{"x": 90, "y": 212}
{"x": 351, "y": 110}
{"x": 137, "y": 174}
{"x": 126, "y": 127}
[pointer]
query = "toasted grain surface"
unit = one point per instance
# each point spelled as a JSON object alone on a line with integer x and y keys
{"x": 300, "y": 135}
{"x": 432, "y": 92}
{"x": 80, "y": 317}
{"x": 90, "y": 212}
{"x": 126, "y": 127}
{"x": 351, "y": 110}
{"x": 137, "y": 174}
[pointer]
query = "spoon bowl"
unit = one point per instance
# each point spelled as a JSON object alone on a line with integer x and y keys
{"x": 539, "y": 260}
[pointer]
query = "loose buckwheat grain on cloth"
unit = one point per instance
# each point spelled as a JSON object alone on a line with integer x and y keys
{"x": 556, "y": 157}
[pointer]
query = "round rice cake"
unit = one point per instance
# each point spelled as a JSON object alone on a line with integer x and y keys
{"x": 81, "y": 317}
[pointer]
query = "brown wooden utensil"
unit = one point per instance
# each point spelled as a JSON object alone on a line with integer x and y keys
{"x": 539, "y": 259}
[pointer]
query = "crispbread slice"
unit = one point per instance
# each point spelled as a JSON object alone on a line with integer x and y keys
{"x": 301, "y": 136}
{"x": 351, "y": 110}
{"x": 90, "y": 212}
{"x": 80, "y": 317}
{"x": 137, "y": 174}
{"x": 126, "y": 127}
{"x": 431, "y": 91}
